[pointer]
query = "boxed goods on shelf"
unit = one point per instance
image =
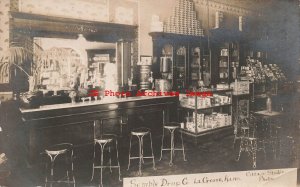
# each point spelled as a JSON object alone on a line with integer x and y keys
{"x": 222, "y": 86}
{"x": 240, "y": 87}
{"x": 203, "y": 122}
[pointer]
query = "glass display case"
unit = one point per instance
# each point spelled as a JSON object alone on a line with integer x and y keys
{"x": 205, "y": 111}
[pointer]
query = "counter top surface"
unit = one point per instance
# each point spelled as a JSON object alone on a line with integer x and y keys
{"x": 266, "y": 113}
{"x": 108, "y": 100}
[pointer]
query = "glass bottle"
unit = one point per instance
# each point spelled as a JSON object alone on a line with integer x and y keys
{"x": 269, "y": 105}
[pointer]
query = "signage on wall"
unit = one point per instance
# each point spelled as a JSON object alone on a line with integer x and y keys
{"x": 145, "y": 61}
{"x": 98, "y": 9}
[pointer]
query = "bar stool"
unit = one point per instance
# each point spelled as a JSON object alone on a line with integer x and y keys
{"x": 171, "y": 127}
{"x": 276, "y": 140}
{"x": 250, "y": 141}
{"x": 63, "y": 149}
{"x": 103, "y": 141}
{"x": 249, "y": 145}
{"x": 240, "y": 129}
{"x": 140, "y": 133}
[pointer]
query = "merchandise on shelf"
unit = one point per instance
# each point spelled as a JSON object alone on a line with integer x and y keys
{"x": 204, "y": 102}
{"x": 258, "y": 73}
{"x": 210, "y": 109}
{"x": 205, "y": 122}
{"x": 240, "y": 87}
{"x": 222, "y": 86}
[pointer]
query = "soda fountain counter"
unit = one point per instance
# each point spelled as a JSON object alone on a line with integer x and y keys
{"x": 77, "y": 123}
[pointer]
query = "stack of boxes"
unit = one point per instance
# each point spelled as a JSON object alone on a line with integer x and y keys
{"x": 205, "y": 102}
{"x": 184, "y": 20}
{"x": 240, "y": 87}
{"x": 207, "y": 121}
{"x": 156, "y": 25}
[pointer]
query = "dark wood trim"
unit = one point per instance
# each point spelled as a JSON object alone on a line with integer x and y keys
{"x": 51, "y": 26}
{"x": 175, "y": 37}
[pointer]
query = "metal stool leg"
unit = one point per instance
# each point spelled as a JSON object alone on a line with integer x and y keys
{"x": 142, "y": 143}
{"x": 52, "y": 159}
{"x": 68, "y": 177}
{"x": 93, "y": 170}
{"x": 46, "y": 178}
{"x": 172, "y": 147}
{"x": 101, "y": 168}
{"x": 152, "y": 151}
{"x": 129, "y": 152}
{"x": 183, "y": 153}
{"x": 118, "y": 160}
{"x": 72, "y": 169}
{"x": 109, "y": 160}
{"x": 162, "y": 144}
{"x": 140, "y": 138}
{"x": 254, "y": 148}
{"x": 241, "y": 149}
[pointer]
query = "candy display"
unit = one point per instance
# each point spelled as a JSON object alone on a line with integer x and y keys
{"x": 258, "y": 73}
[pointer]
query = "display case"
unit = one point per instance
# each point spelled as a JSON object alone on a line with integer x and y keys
{"x": 205, "y": 111}
{"x": 265, "y": 77}
{"x": 177, "y": 58}
{"x": 224, "y": 64}
{"x": 180, "y": 68}
{"x": 228, "y": 62}
{"x": 225, "y": 55}
{"x": 195, "y": 67}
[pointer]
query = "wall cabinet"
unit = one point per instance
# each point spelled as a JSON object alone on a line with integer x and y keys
{"x": 178, "y": 58}
{"x": 225, "y": 47}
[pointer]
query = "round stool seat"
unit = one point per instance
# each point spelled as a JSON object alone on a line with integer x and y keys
{"x": 140, "y": 131}
{"x": 172, "y": 125}
{"x": 102, "y": 141}
{"x": 106, "y": 138}
{"x": 245, "y": 128}
{"x": 290, "y": 137}
{"x": 58, "y": 149}
{"x": 252, "y": 139}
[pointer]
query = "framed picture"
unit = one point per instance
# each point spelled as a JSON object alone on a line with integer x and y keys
{"x": 145, "y": 60}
